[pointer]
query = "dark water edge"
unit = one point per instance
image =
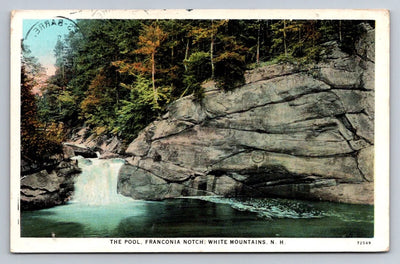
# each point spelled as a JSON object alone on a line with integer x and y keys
{"x": 206, "y": 217}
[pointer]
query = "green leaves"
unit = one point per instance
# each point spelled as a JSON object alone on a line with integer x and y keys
{"x": 118, "y": 75}
{"x": 300, "y": 41}
{"x": 135, "y": 113}
{"x": 38, "y": 140}
{"x": 198, "y": 70}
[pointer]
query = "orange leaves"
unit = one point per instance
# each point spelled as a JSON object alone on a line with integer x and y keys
{"x": 37, "y": 140}
{"x": 88, "y": 102}
{"x": 98, "y": 81}
{"x": 122, "y": 66}
{"x": 151, "y": 39}
{"x": 200, "y": 34}
{"x": 206, "y": 31}
{"x": 229, "y": 55}
{"x": 55, "y": 133}
{"x": 95, "y": 93}
{"x": 140, "y": 67}
{"x": 131, "y": 68}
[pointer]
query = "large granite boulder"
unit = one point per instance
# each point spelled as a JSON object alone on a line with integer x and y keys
{"x": 84, "y": 142}
{"x": 289, "y": 131}
{"x": 45, "y": 189}
{"x": 70, "y": 150}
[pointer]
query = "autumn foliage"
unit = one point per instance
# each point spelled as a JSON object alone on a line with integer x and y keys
{"x": 38, "y": 141}
{"x": 116, "y": 76}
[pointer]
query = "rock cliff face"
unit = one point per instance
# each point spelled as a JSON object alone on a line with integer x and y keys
{"x": 88, "y": 145}
{"x": 43, "y": 189}
{"x": 288, "y": 132}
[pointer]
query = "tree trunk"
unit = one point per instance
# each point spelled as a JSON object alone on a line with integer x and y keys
{"x": 153, "y": 73}
{"x": 186, "y": 54}
{"x": 116, "y": 89}
{"x": 116, "y": 81}
{"x": 284, "y": 37}
{"x": 258, "y": 44}
{"x": 212, "y": 50}
{"x": 63, "y": 76}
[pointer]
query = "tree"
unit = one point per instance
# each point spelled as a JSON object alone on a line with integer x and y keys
{"x": 30, "y": 64}
{"x": 149, "y": 42}
{"x": 300, "y": 40}
{"x": 60, "y": 52}
{"x": 57, "y": 102}
{"x": 98, "y": 108}
{"x": 207, "y": 31}
{"x": 29, "y": 122}
{"x": 198, "y": 67}
{"x": 123, "y": 73}
{"x": 227, "y": 60}
{"x": 38, "y": 142}
{"x": 137, "y": 111}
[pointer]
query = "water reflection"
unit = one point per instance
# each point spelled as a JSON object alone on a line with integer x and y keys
{"x": 199, "y": 218}
{"x": 95, "y": 220}
{"x": 44, "y": 227}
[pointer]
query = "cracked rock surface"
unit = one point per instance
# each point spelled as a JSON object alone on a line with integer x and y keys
{"x": 287, "y": 132}
{"x": 45, "y": 188}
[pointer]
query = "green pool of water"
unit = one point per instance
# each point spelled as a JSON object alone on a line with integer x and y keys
{"x": 202, "y": 217}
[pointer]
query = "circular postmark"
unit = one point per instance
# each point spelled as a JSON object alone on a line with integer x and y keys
{"x": 257, "y": 156}
{"x": 49, "y": 42}
{"x": 59, "y": 23}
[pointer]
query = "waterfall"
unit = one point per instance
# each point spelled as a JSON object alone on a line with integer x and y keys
{"x": 97, "y": 184}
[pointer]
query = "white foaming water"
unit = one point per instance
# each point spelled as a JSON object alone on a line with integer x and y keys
{"x": 270, "y": 208}
{"x": 97, "y": 184}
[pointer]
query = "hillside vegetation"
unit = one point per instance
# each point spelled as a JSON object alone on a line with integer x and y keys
{"x": 117, "y": 76}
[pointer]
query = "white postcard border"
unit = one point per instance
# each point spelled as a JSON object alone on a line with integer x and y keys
{"x": 380, "y": 242}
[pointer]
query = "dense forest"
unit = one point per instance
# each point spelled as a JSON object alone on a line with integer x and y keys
{"x": 116, "y": 76}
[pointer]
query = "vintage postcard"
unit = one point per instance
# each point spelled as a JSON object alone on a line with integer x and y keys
{"x": 199, "y": 131}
